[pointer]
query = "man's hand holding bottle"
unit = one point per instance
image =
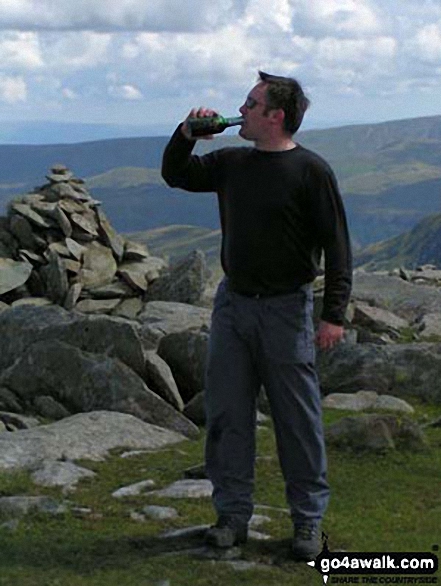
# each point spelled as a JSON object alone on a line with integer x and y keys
{"x": 204, "y": 122}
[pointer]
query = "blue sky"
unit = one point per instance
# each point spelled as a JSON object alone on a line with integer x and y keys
{"x": 147, "y": 62}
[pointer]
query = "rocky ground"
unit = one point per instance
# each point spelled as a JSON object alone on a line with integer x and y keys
{"x": 104, "y": 346}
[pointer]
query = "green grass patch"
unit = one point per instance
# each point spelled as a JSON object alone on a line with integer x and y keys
{"x": 379, "y": 503}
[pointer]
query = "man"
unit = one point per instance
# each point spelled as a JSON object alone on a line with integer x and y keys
{"x": 280, "y": 207}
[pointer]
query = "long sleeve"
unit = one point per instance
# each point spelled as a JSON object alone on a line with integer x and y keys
{"x": 331, "y": 227}
{"x": 190, "y": 172}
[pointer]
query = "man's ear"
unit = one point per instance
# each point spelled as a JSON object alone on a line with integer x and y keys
{"x": 278, "y": 115}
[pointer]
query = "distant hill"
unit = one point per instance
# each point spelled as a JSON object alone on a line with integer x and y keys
{"x": 419, "y": 246}
{"x": 389, "y": 174}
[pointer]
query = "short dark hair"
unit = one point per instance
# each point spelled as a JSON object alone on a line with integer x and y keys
{"x": 286, "y": 93}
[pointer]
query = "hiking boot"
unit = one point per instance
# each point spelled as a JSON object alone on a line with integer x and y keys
{"x": 226, "y": 533}
{"x": 306, "y": 544}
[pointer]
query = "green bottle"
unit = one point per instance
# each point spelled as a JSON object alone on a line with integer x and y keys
{"x": 211, "y": 125}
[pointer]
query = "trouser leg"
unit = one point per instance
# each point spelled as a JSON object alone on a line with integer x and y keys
{"x": 292, "y": 387}
{"x": 232, "y": 385}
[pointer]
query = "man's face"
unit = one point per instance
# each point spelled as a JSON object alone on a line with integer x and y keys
{"x": 253, "y": 111}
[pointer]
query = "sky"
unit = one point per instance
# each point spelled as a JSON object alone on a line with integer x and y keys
{"x": 147, "y": 62}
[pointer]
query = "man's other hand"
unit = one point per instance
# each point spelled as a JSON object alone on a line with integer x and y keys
{"x": 328, "y": 335}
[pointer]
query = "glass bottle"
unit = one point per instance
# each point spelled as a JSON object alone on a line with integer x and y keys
{"x": 211, "y": 125}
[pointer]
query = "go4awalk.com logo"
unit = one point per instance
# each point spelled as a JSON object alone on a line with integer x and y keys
{"x": 376, "y": 567}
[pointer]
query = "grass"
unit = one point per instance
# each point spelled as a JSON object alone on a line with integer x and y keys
{"x": 379, "y": 503}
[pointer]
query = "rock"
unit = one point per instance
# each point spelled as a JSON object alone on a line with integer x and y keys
{"x": 159, "y": 378}
{"x": 75, "y": 249}
{"x": 14, "y": 421}
{"x": 27, "y": 212}
{"x": 9, "y": 401}
{"x": 4, "y": 306}
{"x": 13, "y": 274}
{"x": 258, "y": 520}
{"x": 138, "y": 274}
{"x": 134, "y": 489}
{"x": 376, "y": 433}
{"x": 89, "y": 382}
{"x": 186, "y": 354}
{"x": 160, "y": 318}
{"x": 135, "y": 274}
{"x": 429, "y": 327}
{"x": 34, "y": 301}
{"x": 119, "y": 338}
{"x": 86, "y": 436}
{"x": 47, "y": 407}
{"x": 187, "y": 488}
{"x": 378, "y": 320}
{"x": 65, "y": 474}
{"x": 135, "y": 251}
{"x": 129, "y": 308}
{"x": 388, "y": 403}
{"x": 99, "y": 266}
{"x": 351, "y": 401}
{"x": 395, "y": 295}
{"x": 19, "y": 506}
{"x": 115, "y": 290}
{"x": 110, "y": 237}
{"x": 403, "y": 370}
{"x": 97, "y": 306}
{"x": 22, "y": 230}
{"x": 55, "y": 276}
{"x": 73, "y": 295}
{"x": 160, "y": 513}
{"x": 185, "y": 281}
{"x": 86, "y": 223}
{"x": 195, "y": 409}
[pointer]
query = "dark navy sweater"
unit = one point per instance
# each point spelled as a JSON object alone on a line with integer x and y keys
{"x": 278, "y": 211}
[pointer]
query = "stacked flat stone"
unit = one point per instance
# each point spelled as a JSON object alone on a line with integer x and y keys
{"x": 57, "y": 246}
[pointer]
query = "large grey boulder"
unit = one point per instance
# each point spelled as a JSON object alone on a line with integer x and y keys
{"x": 160, "y": 318}
{"x": 186, "y": 354}
{"x": 378, "y": 320}
{"x": 429, "y": 327}
{"x": 396, "y": 295}
{"x": 65, "y": 474}
{"x": 82, "y": 381}
{"x": 159, "y": 378}
{"x": 184, "y": 282}
{"x": 117, "y": 337}
{"x": 86, "y": 436}
{"x": 376, "y": 433}
{"x": 402, "y": 370}
{"x": 366, "y": 400}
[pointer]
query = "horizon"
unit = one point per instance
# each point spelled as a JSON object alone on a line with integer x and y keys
{"x": 95, "y": 132}
{"x": 146, "y": 64}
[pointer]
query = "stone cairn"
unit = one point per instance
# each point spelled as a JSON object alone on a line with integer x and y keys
{"x": 57, "y": 246}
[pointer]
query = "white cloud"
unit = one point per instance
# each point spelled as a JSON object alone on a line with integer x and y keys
{"x": 20, "y": 51}
{"x": 164, "y": 52}
{"x": 427, "y": 43}
{"x": 125, "y": 91}
{"x": 12, "y": 89}
{"x": 227, "y": 55}
{"x": 336, "y": 17}
{"x": 69, "y": 94}
{"x": 74, "y": 51}
{"x": 124, "y": 15}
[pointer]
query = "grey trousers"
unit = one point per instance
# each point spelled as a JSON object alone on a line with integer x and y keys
{"x": 269, "y": 341}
